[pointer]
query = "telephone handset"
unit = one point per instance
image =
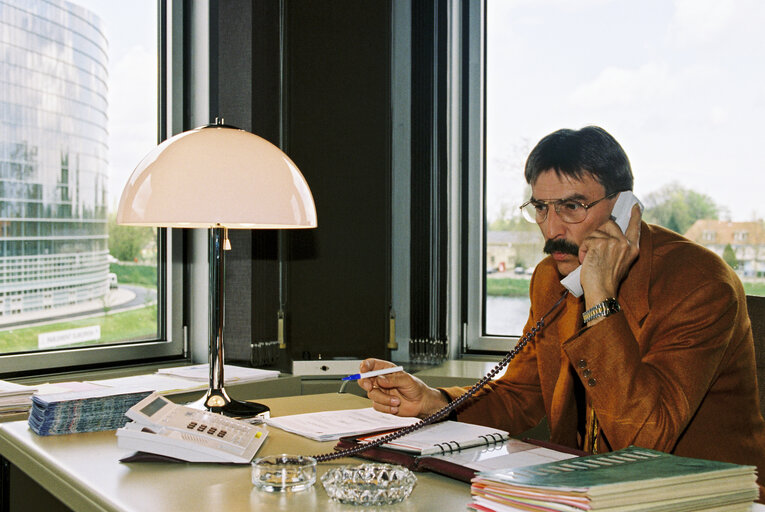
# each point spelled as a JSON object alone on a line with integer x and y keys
{"x": 621, "y": 214}
{"x": 164, "y": 428}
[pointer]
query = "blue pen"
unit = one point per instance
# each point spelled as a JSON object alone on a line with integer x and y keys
{"x": 375, "y": 373}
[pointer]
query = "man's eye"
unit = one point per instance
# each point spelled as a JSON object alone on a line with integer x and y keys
{"x": 570, "y": 206}
{"x": 540, "y": 207}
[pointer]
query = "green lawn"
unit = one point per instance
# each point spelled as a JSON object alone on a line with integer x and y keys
{"x": 136, "y": 324}
{"x": 141, "y": 275}
{"x": 507, "y": 287}
{"x": 754, "y": 288}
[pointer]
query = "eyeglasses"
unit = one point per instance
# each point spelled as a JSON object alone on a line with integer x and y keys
{"x": 570, "y": 211}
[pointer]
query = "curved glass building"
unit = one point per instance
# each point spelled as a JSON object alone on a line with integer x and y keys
{"x": 53, "y": 157}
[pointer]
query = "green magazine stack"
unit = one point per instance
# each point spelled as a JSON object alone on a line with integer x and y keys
{"x": 625, "y": 480}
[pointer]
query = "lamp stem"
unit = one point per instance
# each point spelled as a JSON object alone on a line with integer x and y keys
{"x": 216, "y": 262}
{"x": 217, "y": 400}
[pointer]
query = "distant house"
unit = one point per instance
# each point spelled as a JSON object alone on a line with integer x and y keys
{"x": 747, "y": 239}
{"x": 506, "y": 250}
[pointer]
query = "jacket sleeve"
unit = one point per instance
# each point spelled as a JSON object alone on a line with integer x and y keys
{"x": 645, "y": 390}
{"x": 514, "y": 401}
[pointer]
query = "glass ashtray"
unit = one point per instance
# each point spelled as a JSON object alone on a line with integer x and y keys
{"x": 369, "y": 484}
{"x": 283, "y": 473}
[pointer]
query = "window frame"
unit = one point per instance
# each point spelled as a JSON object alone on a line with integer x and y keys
{"x": 474, "y": 337}
{"x": 171, "y": 341}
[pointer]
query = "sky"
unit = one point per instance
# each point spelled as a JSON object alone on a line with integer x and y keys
{"x": 131, "y": 30}
{"x": 680, "y": 84}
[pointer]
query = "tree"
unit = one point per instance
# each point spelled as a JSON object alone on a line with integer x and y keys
{"x": 677, "y": 208}
{"x": 729, "y": 255}
{"x": 126, "y": 242}
{"x": 509, "y": 220}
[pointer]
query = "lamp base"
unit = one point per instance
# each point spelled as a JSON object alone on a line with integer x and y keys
{"x": 218, "y": 401}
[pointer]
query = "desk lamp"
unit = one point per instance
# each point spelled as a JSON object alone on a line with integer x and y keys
{"x": 218, "y": 177}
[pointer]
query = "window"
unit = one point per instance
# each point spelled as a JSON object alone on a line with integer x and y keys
{"x": 79, "y": 103}
{"x": 672, "y": 81}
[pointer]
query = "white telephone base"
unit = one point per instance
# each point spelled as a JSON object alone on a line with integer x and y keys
{"x": 163, "y": 428}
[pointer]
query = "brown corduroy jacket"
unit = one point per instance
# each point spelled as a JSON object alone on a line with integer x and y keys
{"x": 673, "y": 371}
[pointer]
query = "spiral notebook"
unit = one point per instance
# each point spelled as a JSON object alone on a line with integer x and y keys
{"x": 444, "y": 437}
{"x": 458, "y": 450}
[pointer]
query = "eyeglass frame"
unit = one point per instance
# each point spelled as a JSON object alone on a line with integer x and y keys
{"x": 556, "y": 204}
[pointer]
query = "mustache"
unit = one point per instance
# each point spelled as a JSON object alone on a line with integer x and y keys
{"x": 561, "y": 245}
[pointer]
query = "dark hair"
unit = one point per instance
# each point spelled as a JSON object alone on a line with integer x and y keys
{"x": 576, "y": 152}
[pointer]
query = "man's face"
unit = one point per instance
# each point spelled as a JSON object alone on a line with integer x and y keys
{"x": 551, "y": 186}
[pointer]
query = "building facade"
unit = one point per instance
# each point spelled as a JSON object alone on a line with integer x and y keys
{"x": 519, "y": 251}
{"x": 53, "y": 156}
{"x": 746, "y": 240}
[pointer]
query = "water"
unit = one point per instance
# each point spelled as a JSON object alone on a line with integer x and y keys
{"x": 506, "y": 316}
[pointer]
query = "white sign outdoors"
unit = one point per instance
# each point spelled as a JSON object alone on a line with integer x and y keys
{"x": 58, "y": 338}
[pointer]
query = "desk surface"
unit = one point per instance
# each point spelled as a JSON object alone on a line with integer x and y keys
{"x": 82, "y": 470}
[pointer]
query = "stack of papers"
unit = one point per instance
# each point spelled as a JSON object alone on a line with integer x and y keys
{"x": 83, "y": 411}
{"x": 15, "y": 398}
{"x": 332, "y": 425}
{"x": 163, "y": 384}
{"x": 231, "y": 374}
{"x": 187, "y": 378}
{"x": 625, "y": 480}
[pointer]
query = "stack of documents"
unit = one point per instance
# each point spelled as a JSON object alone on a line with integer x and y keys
{"x": 231, "y": 374}
{"x": 624, "y": 480}
{"x": 332, "y": 425}
{"x": 15, "y": 398}
{"x": 83, "y": 411}
{"x": 182, "y": 379}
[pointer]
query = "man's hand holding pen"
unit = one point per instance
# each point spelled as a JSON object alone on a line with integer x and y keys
{"x": 399, "y": 393}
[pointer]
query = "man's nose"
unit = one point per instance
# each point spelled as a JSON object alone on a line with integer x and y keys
{"x": 553, "y": 226}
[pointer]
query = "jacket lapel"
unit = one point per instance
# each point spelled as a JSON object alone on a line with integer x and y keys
{"x": 563, "y": 411}
{"x": 633, "y": 292}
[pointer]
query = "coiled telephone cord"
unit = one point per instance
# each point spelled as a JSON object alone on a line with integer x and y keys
{"x": 442, "y": 413}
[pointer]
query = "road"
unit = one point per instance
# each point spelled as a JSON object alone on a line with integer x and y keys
{"x": 123, "y": 298}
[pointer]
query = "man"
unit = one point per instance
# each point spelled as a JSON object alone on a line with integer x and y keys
{"x": 663, "y": 357}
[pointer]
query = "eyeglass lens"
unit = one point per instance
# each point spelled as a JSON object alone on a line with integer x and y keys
{"x": 569, "y": 211}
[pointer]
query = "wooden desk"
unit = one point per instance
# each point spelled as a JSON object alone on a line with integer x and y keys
{"x": 83, "y": 472}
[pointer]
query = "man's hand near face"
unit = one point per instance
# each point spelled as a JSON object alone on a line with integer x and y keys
{"x": 607, "y": 255}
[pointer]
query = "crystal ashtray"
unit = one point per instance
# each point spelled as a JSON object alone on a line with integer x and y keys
{"x": 284, "y": 473}
{"x": 369, "y": 484}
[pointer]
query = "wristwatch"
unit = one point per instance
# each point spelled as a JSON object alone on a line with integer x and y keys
{"x": 602, "y": 309}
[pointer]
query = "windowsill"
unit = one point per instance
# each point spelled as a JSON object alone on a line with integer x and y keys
{"x": 458, "y": 372}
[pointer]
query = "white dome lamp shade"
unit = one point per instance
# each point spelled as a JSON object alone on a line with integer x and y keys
{"x": 218, "y": 177}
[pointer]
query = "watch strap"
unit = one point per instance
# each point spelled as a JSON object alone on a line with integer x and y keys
{"x": 601, "y": 310}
